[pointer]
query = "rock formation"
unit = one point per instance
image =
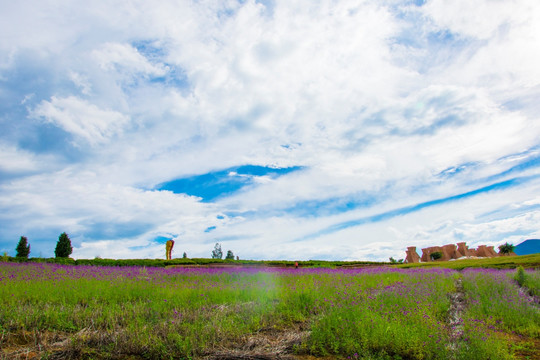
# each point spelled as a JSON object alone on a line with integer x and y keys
{"x": 412, "y": 255}
{"x": 450, "y": 252}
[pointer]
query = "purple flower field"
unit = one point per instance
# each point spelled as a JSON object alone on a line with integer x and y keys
{"x": 64, "y": 311}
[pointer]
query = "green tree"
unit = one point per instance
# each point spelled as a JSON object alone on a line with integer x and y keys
{"x": 184, "y": 256}
{"x": 23, "y": 248}
{"x": 217, "y": 253}
{"x": 63, "y": 246}
{"x": 436, "y": 255}
{"x": 230, "y": 255}
{"x": 506, "y": 248}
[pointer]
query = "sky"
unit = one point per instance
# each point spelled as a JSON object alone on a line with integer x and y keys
{"x": 294, "y": 129}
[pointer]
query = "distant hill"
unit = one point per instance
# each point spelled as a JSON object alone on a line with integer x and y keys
{"x": 530, "y": 246}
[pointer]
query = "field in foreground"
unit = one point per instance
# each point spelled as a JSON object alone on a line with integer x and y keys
{"x": 85, "y": 312}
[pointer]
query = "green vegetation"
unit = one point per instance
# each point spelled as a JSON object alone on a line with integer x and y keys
{"x": 217, "y": 253}
{"x": 506, "y": 248}
{"x": 520, "y": 276}
{"x": 529, "y": 280}
{"x": 23, "y": 248}
{"x": 198, "y": 262}
{"x": 63, "y": 246}
{"x": 510, "y": 262}
{"x": 185, "y": 312}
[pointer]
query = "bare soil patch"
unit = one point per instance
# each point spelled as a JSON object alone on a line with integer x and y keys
{"x": 267, "y": 344}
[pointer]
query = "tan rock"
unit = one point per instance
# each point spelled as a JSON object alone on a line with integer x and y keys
{"x": 412, "y": 255}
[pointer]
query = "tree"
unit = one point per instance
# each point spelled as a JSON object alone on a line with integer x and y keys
{"x": 506, "y": 248}
{"x": 217, "y": 253}
{"x": 230, "y": 255}
{"x": 436, "y": 255}
{"x": 63, "y": 246}
{"x": 23, "y": 248}
{"x": 184, "y": 256}
{"x": 392, "y": 260}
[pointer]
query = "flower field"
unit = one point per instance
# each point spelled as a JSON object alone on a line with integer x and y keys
{"x": 87, "y": 312}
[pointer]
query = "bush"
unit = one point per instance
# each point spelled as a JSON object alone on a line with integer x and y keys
{"x": 436, "y": 255}
{"x": 520, "y": 276}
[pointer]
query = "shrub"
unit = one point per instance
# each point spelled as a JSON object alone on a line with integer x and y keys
{"x": 5, "y": 257}
{"x": 436, "y": 255}
{"x": 63, "y": 246}
{"x": 520, "y": 276}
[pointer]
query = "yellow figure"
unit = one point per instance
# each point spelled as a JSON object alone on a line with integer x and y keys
{"x": 168, "y": 249}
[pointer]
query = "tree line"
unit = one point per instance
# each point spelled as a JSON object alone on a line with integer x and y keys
{"x": 217, "y": 253}
{"x": 63, "y": 247}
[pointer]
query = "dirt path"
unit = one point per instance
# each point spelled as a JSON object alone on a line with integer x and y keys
{"x": 455, "y": 321}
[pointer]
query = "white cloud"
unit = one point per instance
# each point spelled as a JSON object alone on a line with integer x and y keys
{"x": 504, "y": 61}
{"x": 14, "y": 160}
{"x": 81, "y": 118}
{"x": 478, "y": 19}
{"x": 372, "y": 98}
{"x": 124, "y": 57}
{"x": 81, "y": 82}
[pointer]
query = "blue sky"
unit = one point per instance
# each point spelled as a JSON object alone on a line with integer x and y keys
{"x": 282, "y": 129}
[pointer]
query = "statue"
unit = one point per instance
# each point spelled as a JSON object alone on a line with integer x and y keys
{"x": 168, "y": 249}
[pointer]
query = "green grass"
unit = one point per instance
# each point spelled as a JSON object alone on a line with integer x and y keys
{"x": 531, "y": 282}
{"x": 193, "y": 262}
{"x": 497, "y": 313}
{"x": 158, "y": 313}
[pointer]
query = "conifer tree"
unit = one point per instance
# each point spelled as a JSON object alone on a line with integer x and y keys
{"x": 63, "y": 246}
{"x": 23, "y": 248}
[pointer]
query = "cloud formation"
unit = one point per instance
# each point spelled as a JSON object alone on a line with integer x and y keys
{"x": 402, "y": 122}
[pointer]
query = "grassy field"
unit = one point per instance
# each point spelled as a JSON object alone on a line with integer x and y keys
{"x": 57, "y": 311}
